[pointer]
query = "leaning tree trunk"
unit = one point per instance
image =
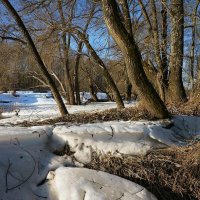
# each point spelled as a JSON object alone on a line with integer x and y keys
{"x": 176, "y": 91}
{"x": 133, "y": 60}
{"x": 78, "y": 57}
{"x": 106, "y": 74}
{"x": 41, "y": 65}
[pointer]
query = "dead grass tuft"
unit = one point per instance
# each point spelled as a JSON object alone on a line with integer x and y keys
{"x": 192, "y": 107}
{"x": 133, "y": 113}
{"x": 171, "y": 174}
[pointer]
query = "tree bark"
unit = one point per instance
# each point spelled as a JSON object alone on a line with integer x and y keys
{"x": 164, "y": 44}
{"x": 92, "y": 90}
{"x": 66, "y": 47}
{"x": 176, "y": 91}
{"x": 128, "y": 26}
{"x": 133, "y": 60}
{"x": 41, "y": 65}
{"x": 109, "y": 79}
{"x": 78, "y": 57}
{"x": 192, "y": 51}
{"x": 76, "y": 74}
{"x": 154, "y": 34}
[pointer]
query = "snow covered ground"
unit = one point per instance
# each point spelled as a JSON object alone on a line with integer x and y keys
{"x": 30, "y": 170}
{"x": 32, "y": 106}
{"x": 129, "y": 138}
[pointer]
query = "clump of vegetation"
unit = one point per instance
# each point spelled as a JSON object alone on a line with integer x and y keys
{"x": 132, "y": 113}
{"x": 172, "y": 173}
{"x": 192, "y": 107}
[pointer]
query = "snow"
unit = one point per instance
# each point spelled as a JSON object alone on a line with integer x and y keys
{"x": 86, "y": 95}
{"x": 32, "y": 106}
{"x": 188, "y": 126}
{"x": 24, "y": 98}
{"x": 116, "y": 137}
{"x": 25, "y": 159}
{"x": 129, "y": 138}
{"x": 80, "y": 183}
{"x": 30, "y": 170}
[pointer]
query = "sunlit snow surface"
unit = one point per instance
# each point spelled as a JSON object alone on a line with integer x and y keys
{"x": 29, "y": 169}
{"x": 39, "y": 106}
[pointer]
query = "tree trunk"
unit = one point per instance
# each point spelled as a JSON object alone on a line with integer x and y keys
{"x": 154, "y": 33}
{"x": 176, "y": 91}
{"x": 78, "y": 57}
{"x": 92, "y": 90}
{"x": 76, "y": 74}
{"x": 133, "y": 60}
{"x": 128, "y": 25}
{"x": 164, "y": 44}
{"x": 41, "y": 65}
{"x": 128, "y": 86}
{"x": 192, "y": 51}
{"x": 66, "y": 47}
{"x": 110, "y": 81}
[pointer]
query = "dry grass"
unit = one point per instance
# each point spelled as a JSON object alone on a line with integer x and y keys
{"x": 192, "y": 107}
{"x": 171, "y": 174}
{"x": 134, "y": 113}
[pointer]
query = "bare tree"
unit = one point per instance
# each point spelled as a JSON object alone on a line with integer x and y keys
{"x": 41, "y": 65}
{"x": 104, "y": 69}
{"x": 133, "y": 60}
{"x": 66, "y": 48}
{"x": 78, "y": 57}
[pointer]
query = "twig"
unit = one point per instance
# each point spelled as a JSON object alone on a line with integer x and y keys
{"x": 28, "y": 177}
{"x": 7, "y": 171}
{"x": 40, "y": 196}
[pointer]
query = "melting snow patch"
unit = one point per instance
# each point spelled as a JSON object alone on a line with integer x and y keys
{"x": 116, "y": 137}
{"x": 186, "y": 126}
{"x": 163, "y": 135}
{"x": 25, "y": 159}
{"x": 80, "y": 183}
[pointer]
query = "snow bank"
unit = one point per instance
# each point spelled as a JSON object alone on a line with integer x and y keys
{"x": 131, "y": 138}
{"x": 27, "y": 167}
{"x": 25, "y": 160}
{"x": 186, "y": 126}
{"x": 79, "y": 183}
